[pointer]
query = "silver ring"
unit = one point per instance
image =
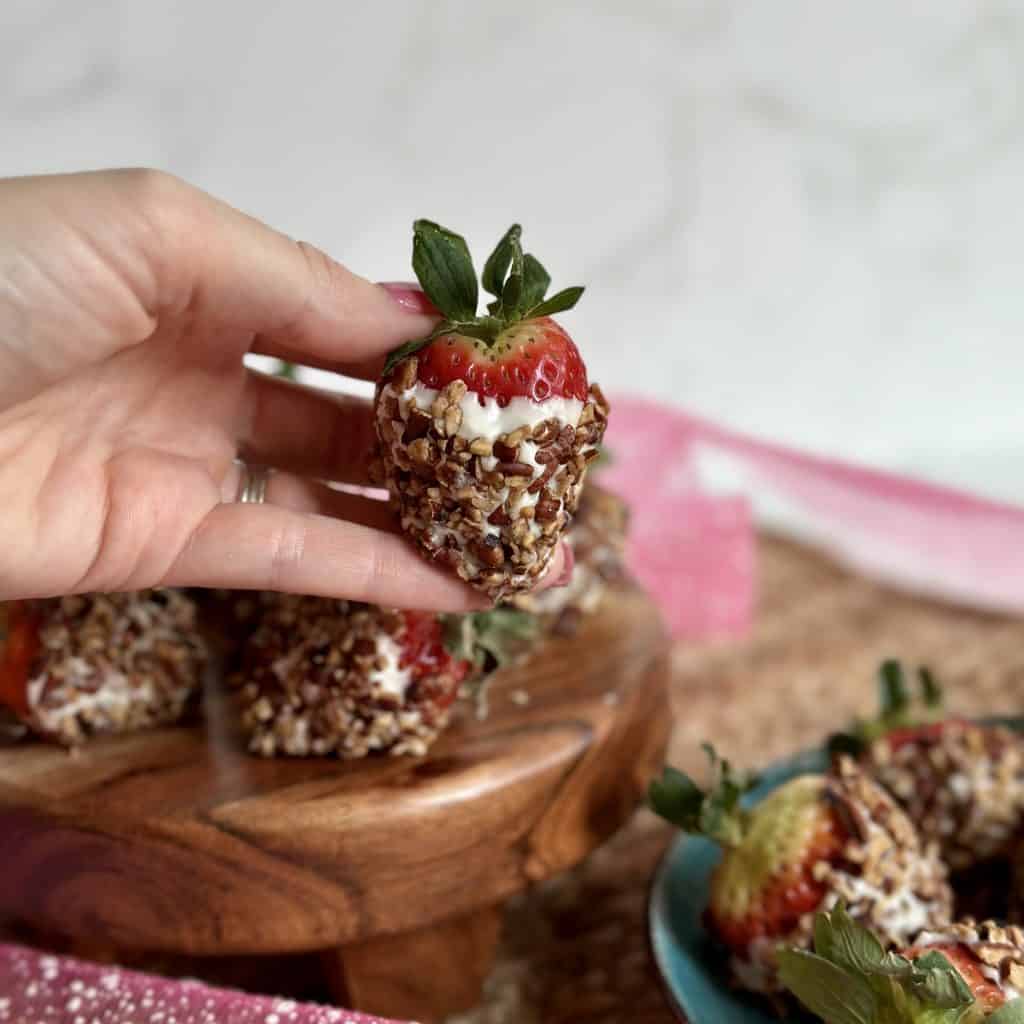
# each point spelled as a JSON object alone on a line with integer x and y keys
{"x": 252, "y": 484}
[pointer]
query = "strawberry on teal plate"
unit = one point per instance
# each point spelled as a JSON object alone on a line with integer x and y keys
{"x": 682, "y": 948}
{"x": 690, "y": 964}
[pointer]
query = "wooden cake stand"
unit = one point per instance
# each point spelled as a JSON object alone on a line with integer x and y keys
{"x": 177, "y": 841}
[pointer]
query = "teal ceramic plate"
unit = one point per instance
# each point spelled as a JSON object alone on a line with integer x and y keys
{"x": 682, "y": 953}
{"x": 680, "y": 945}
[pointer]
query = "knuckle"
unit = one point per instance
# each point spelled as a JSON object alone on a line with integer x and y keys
{"x": 320, "y": 266}
{"x": 155, "y": 192}
{"x": 325, "y": 274}
{"x": 168, "y": 216}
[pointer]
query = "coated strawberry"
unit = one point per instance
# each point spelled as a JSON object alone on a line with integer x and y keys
{"x": 962, "y": 974}
{"x": 19, "y": 646}
{"x": 814, "y": 840}
{"x": 597, "y": 537}
{"x": 321, "y": 676}
{"x": 961, "y": 782}
{"x": 75, "y": 667}
{"x": 486, "y": 427}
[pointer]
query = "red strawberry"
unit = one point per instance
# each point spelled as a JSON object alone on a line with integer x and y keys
{"x": 961, "y": 782}
{"x": 432, "y": 669}
{"x": 321, "y": 676}
{"x": 487, "y": 426}
{"x": 532, "y": 359}
{"x": 964, "y": 974}
{"x": 19, "y": 646}
{"x": 814, "y": 840}
{"x": 77, "y": 666}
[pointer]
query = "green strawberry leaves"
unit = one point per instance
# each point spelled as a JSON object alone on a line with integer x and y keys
{"x": 1009, "y": 1013}
{"x": 931, "y": 691}
{"x": 512, "y": 290}
{"x": 496, "y": 267}
{"x": 851, "y": 979}
{"x": 490, "y": 639}
{"x": 536, "y": 281}
{"x": 839, "y": 939}
{"x": 715, "y": 812}
{"x": 894, "y": 697}
{"x": 896, "y": 709}
{"x": 937, "y": 983}
{"x": 559, "y": 303}
{"x": 444, "y": 268}
{"x": 827, "y": 990}
{"x": 519, "y": 283}
{"x": 677, "y": 798}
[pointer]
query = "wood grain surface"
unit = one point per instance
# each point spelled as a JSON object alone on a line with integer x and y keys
{"x": 424, "y": 975}
{"x": 177, "y": 841}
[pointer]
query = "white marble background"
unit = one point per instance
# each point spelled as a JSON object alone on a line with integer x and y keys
{"x": 801, "y": 218}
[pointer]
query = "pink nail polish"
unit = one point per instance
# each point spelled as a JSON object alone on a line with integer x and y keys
{"x": 568, "y": 562}
{"x": 410, "y": 297}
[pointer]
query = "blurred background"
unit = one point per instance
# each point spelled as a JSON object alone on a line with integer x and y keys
{"x": 800, "y": 219}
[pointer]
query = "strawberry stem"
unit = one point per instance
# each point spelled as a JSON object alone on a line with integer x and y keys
{"x": 716, "y": 812}
{"x": 850, "y": 978}
{"x": 517, "y": 280}
{"x": 897, "y": 709}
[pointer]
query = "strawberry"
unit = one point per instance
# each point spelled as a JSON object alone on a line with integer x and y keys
{"x": 814, "y": 840}
{"x": 321, "y": 676}
{"x": 986, "y": 993}
{"x": 961, "y": 782}
{"x": 487, "y": 425}
{"x": 964, "y": 974}
{"x": 597, "y": 537}
{"x": 19, "y": 647}
{"x": 534, "y": 359}
{"x": 74, "y": 667}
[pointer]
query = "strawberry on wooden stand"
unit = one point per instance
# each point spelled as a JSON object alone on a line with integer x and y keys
{"x": 79, "y": 666}
{"x": 327, "y": 677}
{"x": 960, "y": 782}
{"x": 19, "y": 647}
{"x": 811, "y": 842}
{"x": 962, "y": 974}
{"x": 487, "y": 426}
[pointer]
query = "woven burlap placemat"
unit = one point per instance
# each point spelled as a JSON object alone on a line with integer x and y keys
{"x": 576, "y": 949}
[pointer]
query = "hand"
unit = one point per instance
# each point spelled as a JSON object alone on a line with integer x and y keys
{"x": 127, "y": 301}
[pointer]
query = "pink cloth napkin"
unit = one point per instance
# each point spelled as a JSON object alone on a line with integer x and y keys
{"x": 694, "y": 550}
{"x": 60, "y": 990}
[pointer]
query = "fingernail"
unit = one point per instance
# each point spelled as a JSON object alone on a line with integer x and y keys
{"x": 410, "y": 297}
{"x": 568, "y": 562}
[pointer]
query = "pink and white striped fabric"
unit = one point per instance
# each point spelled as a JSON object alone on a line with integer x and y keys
{"x": 693, "y": 547}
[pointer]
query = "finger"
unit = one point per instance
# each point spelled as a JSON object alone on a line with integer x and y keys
{"x": 300, "y": 494}
{"x": 303, "y": 495}
{"x": 559, "y": 570}
{"x": 368, "y": 369}
{"x": 409, "y": 296}
{"x": 310, "y": 432}
{"x": 208, "y": 259}
{"x": 262, "y": 547}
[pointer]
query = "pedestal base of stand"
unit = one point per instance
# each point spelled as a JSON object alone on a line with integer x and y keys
{"x": 177, "y": 842}
{"x": 425, "y": 975}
